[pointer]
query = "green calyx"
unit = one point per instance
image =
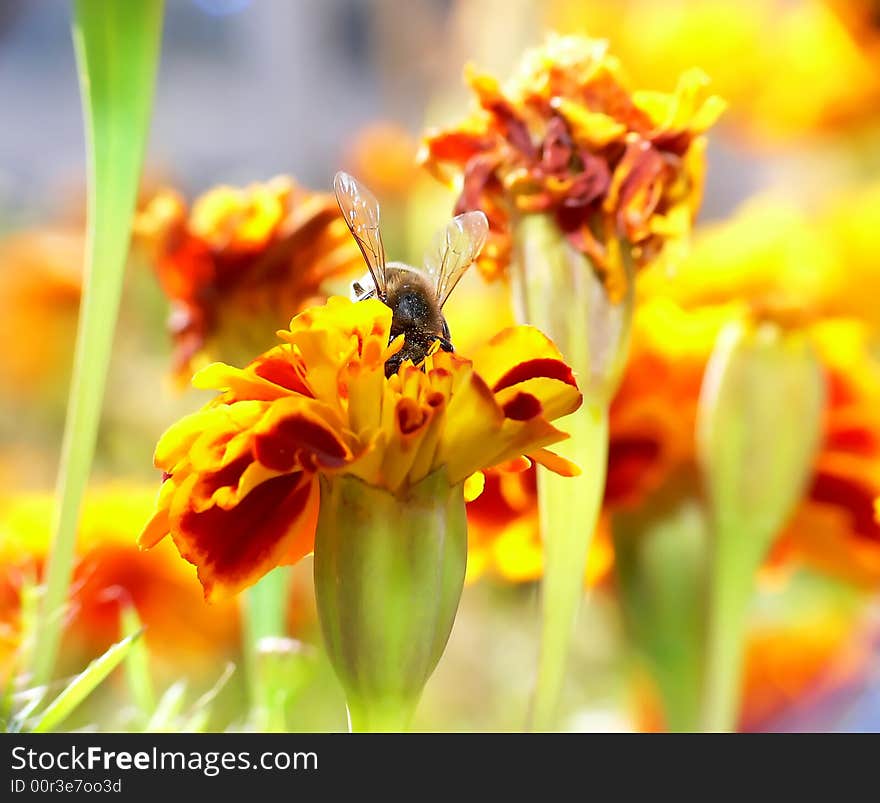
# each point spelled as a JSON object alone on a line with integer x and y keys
{"x": 389, "y": 571}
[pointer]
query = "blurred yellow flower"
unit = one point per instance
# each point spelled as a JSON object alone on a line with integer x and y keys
{"x": 241, "y": 476}
{"x": 850, "y": 222}
{"x": 241, "y": 262}
{"x": 566, "y": 136}
{"x": 181, "y": 629}
{"x": 771, "y": 260}
{"x": 784, "y": 68}
{"x": 860, "y": 18}
{"x": 504, "y": 538}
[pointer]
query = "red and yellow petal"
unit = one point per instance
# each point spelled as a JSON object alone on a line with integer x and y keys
{"x": 519, "y": 353}
{"x": 300, "y": 433}
{"x": 233, "y": 548}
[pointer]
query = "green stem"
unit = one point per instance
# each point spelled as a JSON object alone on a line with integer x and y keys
{"x": 557, "y": 289}
{"x": 263, "y": 612}
{"x": 379, "y": 716}
{"x": 731, "y": 585}
{"x": 660, "y": 561}
{"x": 679, "y": 686}
{"x": 759, "y": 424}
{"x": 117, "y": 49}
{"x": 569, "y": 509}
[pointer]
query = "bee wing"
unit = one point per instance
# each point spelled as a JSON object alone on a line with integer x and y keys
{"x": 360, "y": 209}
{"x": 454, "y": 250}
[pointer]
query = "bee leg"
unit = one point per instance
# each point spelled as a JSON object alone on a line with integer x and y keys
{"x": 445, "y": 337}
{"x": 393, "y": 363}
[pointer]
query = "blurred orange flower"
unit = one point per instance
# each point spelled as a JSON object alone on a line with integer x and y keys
{"x": 181, "y": 628}
{"x": 566, "y": 136}
{"x": 240, "y": 262}
{"x": 788, "y": 662}
{"x": 861, "y": 18}
{"x": 40, "y": 285}
{"x": 789, "y": 659}
{"x": 241, "y": 476}
{"x": 383, "y": 155}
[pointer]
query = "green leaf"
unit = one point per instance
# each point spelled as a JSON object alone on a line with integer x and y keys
{"x": 117, "y": 49}
{"x": 83, "y": 685}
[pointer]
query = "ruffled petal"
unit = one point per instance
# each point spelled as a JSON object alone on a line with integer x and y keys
{"x": 233, "y": 548}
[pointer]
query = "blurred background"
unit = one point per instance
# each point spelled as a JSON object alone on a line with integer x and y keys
{"x": 251, "y": 89}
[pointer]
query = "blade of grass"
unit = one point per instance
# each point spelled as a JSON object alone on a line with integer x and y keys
{"x": 137, "y": 665}
{"x": 199, "y": 716}
{"x": 83, "y": 685}
{"x": 169, "y": 709}
{"x": 117, "y": 49}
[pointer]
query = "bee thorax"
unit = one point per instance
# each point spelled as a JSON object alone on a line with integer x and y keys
{"x": 410, "y": 308}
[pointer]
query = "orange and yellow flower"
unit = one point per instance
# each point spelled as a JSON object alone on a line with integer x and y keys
{"x": 788, "y": 663}
{"x": 240, "y": 262}
{"x": 241, "y": 476}
{"x": 654, "y": 414}
{"x": 383, "y": 155}
{"x": 504, "y": 536}
{"x": 567, "y": 137}
{"x": 768, "y": 260}
{"x": 40, "y": 286}
{"x": 786, "y": 69}
{"x": 110, "y": 572}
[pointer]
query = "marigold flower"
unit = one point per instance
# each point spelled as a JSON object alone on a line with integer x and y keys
{"x": 110, "y": 572}
{"x": 789, "y": 663}
{"x": 241, "y": 493}
{"x": 567, "y": 137}
{"x": 769, "y": 260}
{"x": 241, "y": 261}
{"x": 860, "y": 17}
{"x": 760, "y": 56}
{"x": 654, "y": 414}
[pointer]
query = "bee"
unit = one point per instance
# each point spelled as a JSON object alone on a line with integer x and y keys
{"x": 415, "y": 295}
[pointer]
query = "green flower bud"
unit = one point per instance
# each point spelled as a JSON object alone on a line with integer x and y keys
{"x": 759, "y": 425}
